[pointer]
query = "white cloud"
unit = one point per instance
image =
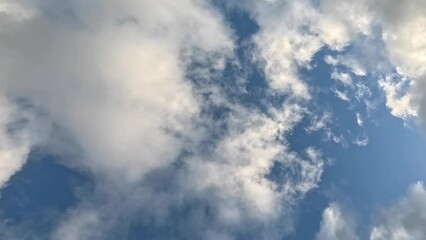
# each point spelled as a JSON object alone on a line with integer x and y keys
{"x": 240, "y": 162}
{"x": 396, "y": 98}
{"x": 343, "y": 78}
{"x": 20, "y": 128}
{"x": 330, "y": 136}
{"x": 404, "y": 221}
{"x": 319, "y": 122}
{"x": 403, "y": 47}
{"x": 337, "y": 24}
{"x": 80, "y": 225}
{"x": 291, "y": 32}
{"x": 404, "y": 36}
{"x": 362, "y": 92}
{"x": 12, "y": 11}
{"x": 113, "y": 78}
{"x": 118, "y": 88}
{"x": 13, "y": 152}
{"x": 359, "y": 120}
{"x": 353, "y": 64}
{"x": 361, "y": 141}
{"x": 404, "y": 42}
{"x": 418, "y": 98}
{"x": 231, "y": 178}
{"x": 331, "y": 60}
{"x": 335, "y": 225}
{"x": 342, "y": 95}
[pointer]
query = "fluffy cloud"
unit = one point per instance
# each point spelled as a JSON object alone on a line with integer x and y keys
{"x": 21, "y": 127}
{"x": 405, "y": 49}
{"x": 344, "y": 78}
{"x": 403, "y": 37}
{"x": 291, "y": 32}
{"x": 240, "y": 163}
{"x": 13, "y": 152}
{"x": 113, "y": 77}
{"x": 403, "y": 221}
{"x": 406, "y": 220}
{"x": 122, "y": 64}
{"x": 397, "y": 99}
{"x": 335, "y": 225}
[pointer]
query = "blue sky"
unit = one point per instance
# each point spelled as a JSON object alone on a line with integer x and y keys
{"x": 212, "y": 120}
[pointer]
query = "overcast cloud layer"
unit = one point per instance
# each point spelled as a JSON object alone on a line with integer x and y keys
{"x": 134, "y": 94}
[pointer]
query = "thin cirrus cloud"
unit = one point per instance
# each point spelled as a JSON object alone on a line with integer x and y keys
{"x": 117, "y": 78}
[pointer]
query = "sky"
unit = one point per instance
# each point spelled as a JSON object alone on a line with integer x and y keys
{"x": 213, "y": 119}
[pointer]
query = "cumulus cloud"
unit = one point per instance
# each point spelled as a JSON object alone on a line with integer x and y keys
{"x": 405, "y": 220}
{"x": 399, "y": 45}
{"x": 125, "y": 72}
{"x": 402, "y": 221}
{"x": 21, "y": 127}
{"x": 115, "y": 77}
{"x": 397, "y": 99}
{"x": 403, "y": 39}
{"x": 335, "y": 225}
{"x": 115, "y": 80}
{"x": 13, "y": 152}
{"x": 243, "y": 159}
{"x": 291, "y": 32}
